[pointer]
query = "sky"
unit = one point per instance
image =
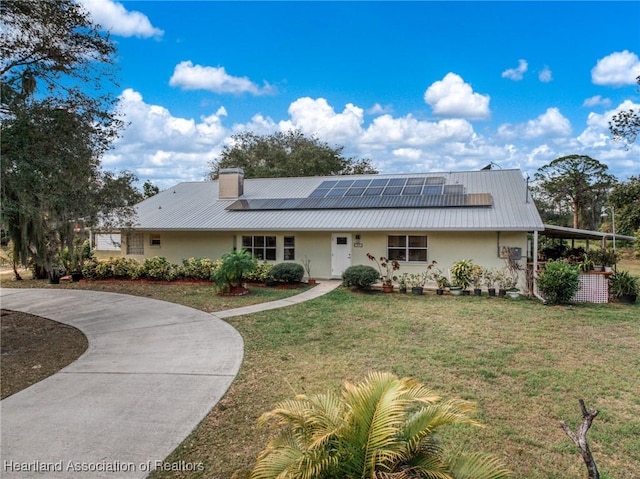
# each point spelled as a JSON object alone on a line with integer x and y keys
{"x": 412, "y": 86}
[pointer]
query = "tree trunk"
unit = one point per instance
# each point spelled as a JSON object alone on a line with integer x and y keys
{"x": 580, "y": 439}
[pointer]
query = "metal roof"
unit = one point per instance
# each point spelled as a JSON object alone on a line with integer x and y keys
{"x": 553, "y": 231}
{"x": 194, "y": 206}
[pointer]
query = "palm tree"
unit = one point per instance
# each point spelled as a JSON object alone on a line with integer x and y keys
{"x": 382, "y": 428}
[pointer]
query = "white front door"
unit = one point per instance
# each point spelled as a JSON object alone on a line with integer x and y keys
{"x": 340, "y": 253}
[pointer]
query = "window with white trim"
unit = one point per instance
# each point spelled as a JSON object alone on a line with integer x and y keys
{"x": 135, "y": 243}
{"x": 411, "y": 248}
{"x": 107, "y": 242}
{"x": 289, "y": 248}
{"x": 261, "y": 247}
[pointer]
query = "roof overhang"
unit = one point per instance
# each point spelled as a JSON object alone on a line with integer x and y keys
{"x": 553, "y": 231}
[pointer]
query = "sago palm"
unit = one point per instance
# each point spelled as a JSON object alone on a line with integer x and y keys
{"x": 382, "y": 428}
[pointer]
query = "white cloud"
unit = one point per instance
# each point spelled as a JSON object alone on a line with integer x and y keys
{"x": 452, "y": 97}
{"x": 412, "y": 132}
{"x": 550, "y": 124}
{"x": 597, "y": 134}
{"x": 378, "y": 109}
{"x": 545, "y": 76}
{"x": 617, "y": 69}
{"x": 409, "y": 153}
{"x": 113, "y": 17}
{"x": 516, "y": 74}
{"x": 596, "y": 100}
{"x": 317, "y": 117}
{"x": 188, "y": 76}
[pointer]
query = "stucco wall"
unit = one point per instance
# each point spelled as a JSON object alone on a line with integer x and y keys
{"x": 444, "y": 247}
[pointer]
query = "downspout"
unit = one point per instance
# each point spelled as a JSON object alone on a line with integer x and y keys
{"x": 535, "y": 268}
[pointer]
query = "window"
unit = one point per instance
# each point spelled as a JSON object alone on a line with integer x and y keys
{"x": 261, "y": 247}
{"x": 154, "y": 240}
{"x": 289, "y": 248}
{"x": 135, "y": 243}
{"x": 407, "y": 248}
{"x": 107, "y": 241}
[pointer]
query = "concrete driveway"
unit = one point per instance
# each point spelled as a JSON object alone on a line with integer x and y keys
{"x": 152, "y": 372}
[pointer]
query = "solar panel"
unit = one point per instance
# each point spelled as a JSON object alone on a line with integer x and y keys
{"x": 397, "y": 181}
{"x": 412, "y": 190}
{"x": 373, "y": 191}
{"x": 361, "y": 183}
{"x": 379, "y": 182}
{"x": 435, "y": 180}
{"x": 354, "y": 191}
{"x": 415, "y": 181}
{"x": 337, "y": 192}
{"x": 453, "y": 189}
{"x": 432, "y": 190}
{"x": 319, "y": 193}
{"x": 328, "y": 184}
{"x": 392, "y": 191}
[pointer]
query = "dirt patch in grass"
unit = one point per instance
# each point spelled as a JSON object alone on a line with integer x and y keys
{"x": 34, "y": 348}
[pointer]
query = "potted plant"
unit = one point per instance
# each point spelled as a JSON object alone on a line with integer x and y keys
{"x": 438, "y": 277}
{"x": 402, "y": 282}
{"x": 507, "y": 283}
{"x": 602, "y": 257}
{"x": 461, "y": 275}
{"x": 477, "y": 274}
{"x": 416, "y": 281}
{"x": 386, "y": 267}
{"x": 306, "y": 262}
{"x": 489, "y": 279}
{"x": 624, "y": 286}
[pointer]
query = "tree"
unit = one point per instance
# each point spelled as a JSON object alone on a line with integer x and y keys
{"x": 625, "y": 125}
{"x": 149, "y": 189}
{"x": 381, "y": 428}
{"x": 55, "y": 129}
{"x": 579, "y": 183}
{"x": 625, "y": 199}
{"x": 285, "y": 155}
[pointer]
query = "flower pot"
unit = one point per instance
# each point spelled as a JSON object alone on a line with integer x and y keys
{"x": 598, "y": 267}
{"x": 513, "y": 294}
{"x": 402, "y": 289}
{"x": 492, "y": 291}
{"x": 387, "y": 288}
{"x": 466, "y": 292}
{"x": 76, "y": 276}
{"x": 311, "y": 281}
{"x": 456, "y": 290}
{"x": 54, "y": 278}
{"x": 502, "y": 292}
{"x": 477, "y": 291}
{"x": 439, "y": 292}
{"x": 628, "y": 298}
{"x": 417, "y": 290}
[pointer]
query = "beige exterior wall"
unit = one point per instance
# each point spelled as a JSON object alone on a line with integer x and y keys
{"x": 444, "y": 247}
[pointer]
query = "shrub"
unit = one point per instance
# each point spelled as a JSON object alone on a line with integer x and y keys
{"x": 558, "y": 282}
{"x": 287, "y": 272}
{"x": 89, "y": 269}
{"x": 360, "y": 276}
{"x": 125, "y": 268}
{"x": 159, "y": 268}
{"x": 622, "y": 283}
{"x": 197, "y": 268}
{"x": 233, "y": 268}
{"x": 261, "y": 273}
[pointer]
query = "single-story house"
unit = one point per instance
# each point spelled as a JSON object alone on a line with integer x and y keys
{"x": 335, "y": 221}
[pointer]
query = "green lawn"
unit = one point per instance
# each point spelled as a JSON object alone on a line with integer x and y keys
{"x": 525, "y": 364}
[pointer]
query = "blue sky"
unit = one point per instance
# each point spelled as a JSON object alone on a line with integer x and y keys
{"x": 413, "y": 86}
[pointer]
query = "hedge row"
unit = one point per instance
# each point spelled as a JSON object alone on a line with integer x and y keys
{"x": 159, "y": 268}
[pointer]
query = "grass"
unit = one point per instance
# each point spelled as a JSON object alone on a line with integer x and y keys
{"x": 525, "y": 364}
{"x": 199, "y": 296}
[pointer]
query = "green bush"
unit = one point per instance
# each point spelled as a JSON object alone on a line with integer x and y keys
{"x": 159, "y": 268}
{"x": 233, "y": 269}
{"x": 89, "y": 268}
{"x": 558, "y": 282}
{"x": 360, "y": 276}
{"x": 622, "y": 283}
{"x": 125, "y": 268}
{"x": 287, "y": 272}
{"x": 197, "y": 268}
{"x": 261, "y": 273}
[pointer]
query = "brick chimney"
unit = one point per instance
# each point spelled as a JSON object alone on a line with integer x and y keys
{"x": 230, "y": 183}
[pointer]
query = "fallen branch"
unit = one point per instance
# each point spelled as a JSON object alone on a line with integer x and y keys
{"x": 580, "y": 438}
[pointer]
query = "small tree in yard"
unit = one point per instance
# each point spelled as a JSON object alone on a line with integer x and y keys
{"x": 383, "y": 427}
{"x": 232, "y": 270}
